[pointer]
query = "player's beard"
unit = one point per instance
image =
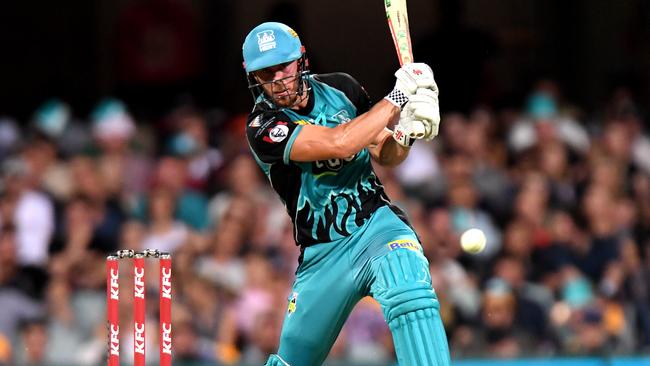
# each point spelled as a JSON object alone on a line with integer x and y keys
{"x": 287, "y": 96}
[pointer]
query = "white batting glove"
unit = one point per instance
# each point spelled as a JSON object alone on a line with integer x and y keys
{"x": 423, "y": 106}
{"x": 407, "y": 130}
{"x": 410, "y": 77}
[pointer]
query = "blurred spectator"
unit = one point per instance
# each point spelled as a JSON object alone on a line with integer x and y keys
{"x": 31, "y": 211}
{"x": 367, "y": 336}
{"x": 10, "y": 136}
{"x": 191, "y": 205}
{"x": 465, "y": 214}
{"x": 123, "y": 170}
{"x": 165, "y": 233}
{"x": 553, "y": 162}
{"x": 16, "y": 305}
{"x": 191, "y": 142}
{"x": 500, "y": 336}
{"x": 266, "y": 337}
{"x": 33, "y": 344}
{"x": 545, "y": 124}
{"x": 532, "y": 300}
{"x": 54, "y": 121}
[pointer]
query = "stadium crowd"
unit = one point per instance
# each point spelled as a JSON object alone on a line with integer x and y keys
{"x": 563, "y": 195}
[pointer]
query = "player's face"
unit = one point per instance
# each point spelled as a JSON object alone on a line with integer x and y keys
{"x": 280, "y": 82}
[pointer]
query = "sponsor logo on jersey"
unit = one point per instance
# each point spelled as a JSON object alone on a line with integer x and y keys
{"x": 263, "y": 127}
{"x": 301, "y": 122}
{"x": 293, "y": 299}
{"x": 255, "y": 122}
{"x": 330, "y": 166}
{"x": 266, "y": 40}
{"x": 404, "y": 244}
{"x": 278, "y": 133}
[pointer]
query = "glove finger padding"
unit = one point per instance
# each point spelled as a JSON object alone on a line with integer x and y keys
{"x": 416, "y": 129}
{"x": 425, "y": 111}
{"x": 423, "y": 106}
{"x": 432, "y": 131}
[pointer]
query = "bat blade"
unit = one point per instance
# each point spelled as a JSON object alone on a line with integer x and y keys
{"x": 398, "y": 23}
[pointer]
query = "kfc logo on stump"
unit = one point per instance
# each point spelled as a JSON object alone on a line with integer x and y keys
{"x": 166, "y": 283}
{"x": 167, "y": 338}
{"x": 139, "y": 338}
{"x": 114, "y": 335}
{"x": 115, "y": 287}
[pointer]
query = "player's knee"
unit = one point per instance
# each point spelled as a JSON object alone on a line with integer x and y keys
{"x": 403, "y": 284}
{"x": 295, "y": 340}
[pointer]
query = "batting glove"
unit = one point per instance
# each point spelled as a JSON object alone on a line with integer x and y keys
{"x": 423, "y": 107}
{"x": 410, "y": 77}
{"x": 407, "y": 130}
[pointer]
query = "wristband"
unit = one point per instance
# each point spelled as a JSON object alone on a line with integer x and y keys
{"x": 398, "y": 98}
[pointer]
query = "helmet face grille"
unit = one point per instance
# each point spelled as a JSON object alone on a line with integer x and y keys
{"x": 257, "y": 90}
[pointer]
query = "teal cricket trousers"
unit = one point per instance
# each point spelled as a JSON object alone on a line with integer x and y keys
{"x": 382, "y": 259}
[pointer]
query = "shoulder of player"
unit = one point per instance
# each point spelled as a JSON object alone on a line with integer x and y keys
{"x": 349, "y": 86}
{"x": 261, "y": 120}
{"x": 338, "y": 80}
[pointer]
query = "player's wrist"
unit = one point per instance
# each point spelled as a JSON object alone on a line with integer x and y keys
{"x": 398, "y": 98}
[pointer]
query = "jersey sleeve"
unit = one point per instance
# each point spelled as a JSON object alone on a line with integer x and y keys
{"x": 271, "y": 136}
{"x": 350, "y": 87}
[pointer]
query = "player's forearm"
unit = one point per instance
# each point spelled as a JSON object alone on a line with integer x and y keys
{"x": 355, "y": 135}
{"x": 392, "y": 153}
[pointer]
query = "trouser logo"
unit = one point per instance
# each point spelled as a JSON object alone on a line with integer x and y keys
{"x": 139, "y": 338}
{"x": 405, "y": 244}
{"x": 166, "y": 283}
{"x": 167, "y": 338}
{"x": 139, "y": 283}
{"x": 115, "y": 287}
{"x": 293, "y": 299}
{"x": 115, "y": 339}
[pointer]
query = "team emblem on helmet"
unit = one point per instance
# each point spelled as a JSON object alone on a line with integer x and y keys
{"x": 266, "y": 40}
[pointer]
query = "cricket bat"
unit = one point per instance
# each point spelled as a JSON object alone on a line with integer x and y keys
{"x": 398, "y": 23}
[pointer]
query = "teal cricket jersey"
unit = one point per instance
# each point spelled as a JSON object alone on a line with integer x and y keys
{"x": 330, "y": 199}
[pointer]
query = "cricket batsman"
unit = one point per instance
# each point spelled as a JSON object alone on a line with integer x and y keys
{"x": 314, "y": 137}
